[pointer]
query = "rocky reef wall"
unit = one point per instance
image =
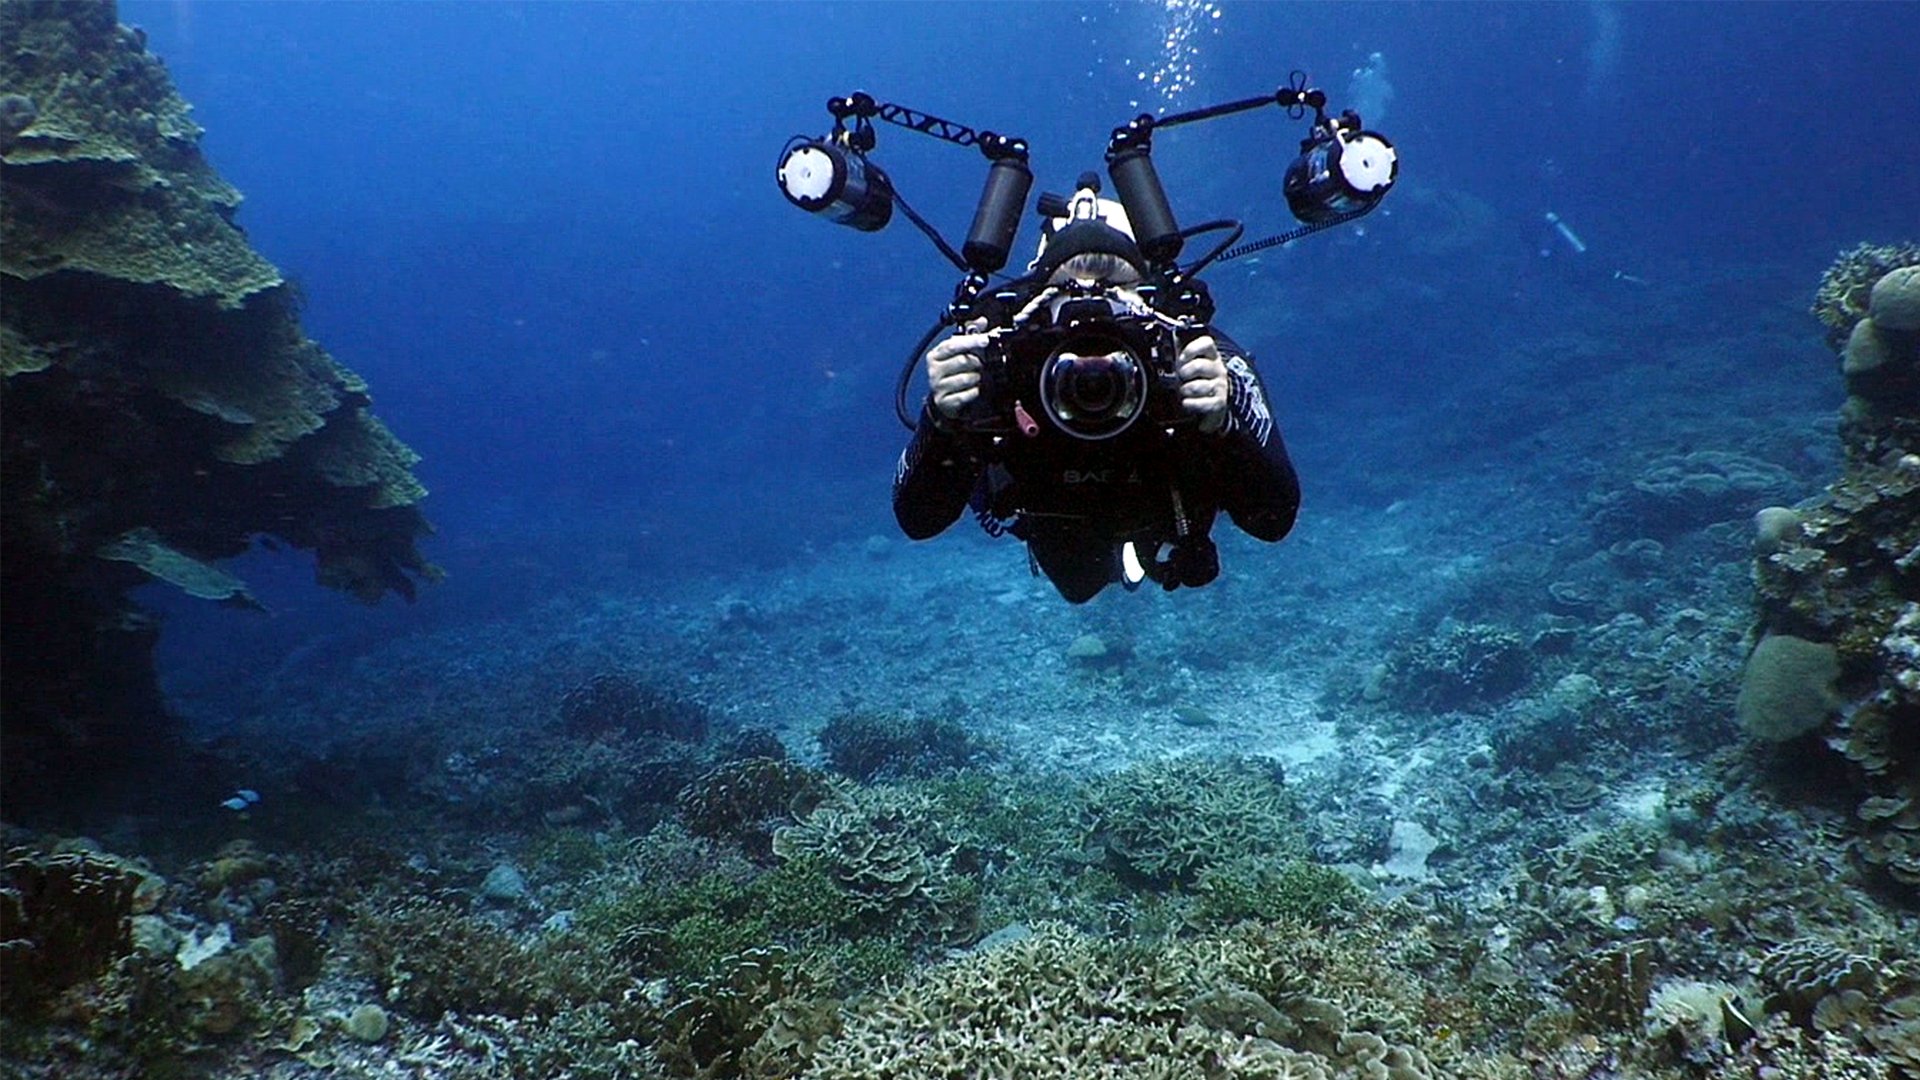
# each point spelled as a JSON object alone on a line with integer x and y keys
{"x": 1839, "y": 576}
{"x": 163, "y": 409}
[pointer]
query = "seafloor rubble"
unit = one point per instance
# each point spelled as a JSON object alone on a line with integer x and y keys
{"x": 163, "y": 408}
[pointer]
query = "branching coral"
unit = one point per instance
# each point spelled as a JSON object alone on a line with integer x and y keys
{"x": 612, "y": 702}
{"x": 1459, "y": 666}
{"x": 745, "y": 801}
{"x": 892, "y": 858}
{"x": 873, "y": 746}
{"x": 1059, "y": 1004}
{"x": 1165, "y": 822}
{"x": 1847, "y": 287}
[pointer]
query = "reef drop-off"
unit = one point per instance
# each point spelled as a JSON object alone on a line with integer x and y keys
{"x": 163, "y": 408}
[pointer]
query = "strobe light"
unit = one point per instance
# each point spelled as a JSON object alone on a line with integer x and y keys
{"x": 1340, "y": 175}
{"x": 836, "y": 183}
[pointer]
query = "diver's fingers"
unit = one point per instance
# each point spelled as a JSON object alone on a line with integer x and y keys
{"x": 964, "y": 364}
{"x": 1202, "y": 366}
{"x": 953, "y": 382}
{"x": 1201, "y": 369}
{"x": 953, "y": 403}
{"x": 1204, "y": 389}
{"x": 958, "y": 345}
{"x": 1204, "y": 345}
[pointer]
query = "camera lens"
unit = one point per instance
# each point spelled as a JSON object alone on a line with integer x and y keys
{"x": 1093, "y": 394}
{"x": 1090, "y": 385}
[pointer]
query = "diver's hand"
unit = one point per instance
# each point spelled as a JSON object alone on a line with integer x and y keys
{"x": 1203, "y": 383}
{"x": 953, "y": 371}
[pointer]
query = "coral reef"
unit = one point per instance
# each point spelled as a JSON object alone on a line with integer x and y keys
{"x": 64, "y": 918}
{"x": 1804, "y": 972}
{"x": 892, "y": 857}
{"x": 1461, "y": 665}
{"x": 1166, "y": 822}
{"x": 1848, "y": 574}
{"x": 1056, "y": 1003}
{"x": 746, "y": 801}
{"x": 874, "y": 746}
{"x": 1678, "y": 492}
{"x": 163, "y": 407}
{"x": 1788, "y": 687}
{"x": 612, "y": 702}
{"x": 1846, "y": 289}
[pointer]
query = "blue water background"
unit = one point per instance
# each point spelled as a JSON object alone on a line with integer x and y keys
{"x": 548, "y": 235}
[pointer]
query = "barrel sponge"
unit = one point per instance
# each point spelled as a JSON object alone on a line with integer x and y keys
{"x": 1788, "y": 688}
{"x": 1896, "y": 299}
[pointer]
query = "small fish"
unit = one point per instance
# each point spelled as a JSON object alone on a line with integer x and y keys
{"x": 242, "y": 799}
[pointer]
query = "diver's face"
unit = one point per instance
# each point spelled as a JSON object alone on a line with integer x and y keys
{"x": 1095, "y": 269}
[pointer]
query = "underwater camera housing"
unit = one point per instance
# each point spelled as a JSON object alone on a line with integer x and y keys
{"x": 1091, "y": 361}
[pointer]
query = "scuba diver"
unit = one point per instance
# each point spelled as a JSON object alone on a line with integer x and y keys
{"x": 1095, "y": 513}
{"x": 1089, "y": 406}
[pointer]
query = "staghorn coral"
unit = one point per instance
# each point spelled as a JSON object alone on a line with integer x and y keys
{"x": 1264, "y": 888}
{"x": 759, "y": 1010}
{"x": 430, "y": 957}
{"x": 611, "y": 703}
{"x": 1165, "y": 822}
{"x": 877, "y": 746}
{"x": 1458, "y": 667}
{"x": 163, "y": 407}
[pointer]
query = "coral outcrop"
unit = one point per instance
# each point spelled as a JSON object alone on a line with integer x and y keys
{"x": 1057, "y": 1003}
{"x": 63, "y": 919}
{"x": 1166, "y": 822}
{"x": 163, "y": 407}
{"x": 891, "y": 857}
{"x": 1847, "y": 574}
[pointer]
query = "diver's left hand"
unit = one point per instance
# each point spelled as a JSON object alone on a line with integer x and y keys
{"x": 1203, "y": 383}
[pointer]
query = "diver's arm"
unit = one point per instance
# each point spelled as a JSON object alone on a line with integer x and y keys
{"x": 1258, "y": 487}
{"x": 935, "y": 477}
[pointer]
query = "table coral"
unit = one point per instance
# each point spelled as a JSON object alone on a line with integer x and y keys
{"x": 163, "y": 406}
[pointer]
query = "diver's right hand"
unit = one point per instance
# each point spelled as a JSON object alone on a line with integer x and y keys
{"x": 953, "y": 371}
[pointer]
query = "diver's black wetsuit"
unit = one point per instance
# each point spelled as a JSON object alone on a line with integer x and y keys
{"x": 1074, "y": 502}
